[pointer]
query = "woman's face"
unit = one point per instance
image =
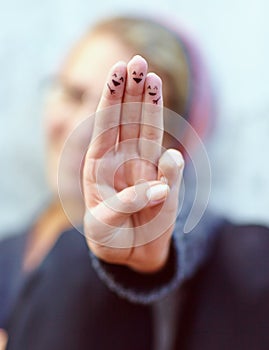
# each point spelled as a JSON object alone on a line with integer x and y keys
{"x": 74, "y": 98}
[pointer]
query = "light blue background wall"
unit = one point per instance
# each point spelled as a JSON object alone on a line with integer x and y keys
{"x": 34, "y": 36}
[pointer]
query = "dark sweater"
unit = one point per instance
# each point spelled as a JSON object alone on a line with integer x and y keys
{"x": 188, "y": 251}
{"x": 223, "y": 304}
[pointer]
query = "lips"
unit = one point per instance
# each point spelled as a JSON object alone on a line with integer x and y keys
{"x": 137, "y": 80}
{"x": 116, "y": 83}
{"x": 152, "y": 93}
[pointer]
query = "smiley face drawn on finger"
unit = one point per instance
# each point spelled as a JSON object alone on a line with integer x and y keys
{"x": 137, "y": 76}
{"x": 155, "y": 102}
{"x": 116, "y": 81}
{"x": 153, "y": 91}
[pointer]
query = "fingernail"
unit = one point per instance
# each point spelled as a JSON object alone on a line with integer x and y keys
{"x": 157, "y": 192}
{"x": 164, "y": 179}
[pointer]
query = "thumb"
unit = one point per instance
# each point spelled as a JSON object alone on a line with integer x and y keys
{"x": 170, "y": 171}
{"x": 113, "y": 212}
{"x": 170, "y": 167}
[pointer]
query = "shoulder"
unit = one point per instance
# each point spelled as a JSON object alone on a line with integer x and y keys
{"x": 70, "y": 242}
{"x": 11, "y": 244}
{"x": 11, "y": 250}
{"x": 66, "y": 274}
{"x": 245, "y": 246}
{"x": 69, "y": 254}
{"x": 227, "y": 301}
{"x": 242, "y": 254}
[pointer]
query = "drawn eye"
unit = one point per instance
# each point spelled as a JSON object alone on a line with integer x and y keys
{"x": 149, "y": 87}
{"x": 141, "y": 74}
{"x": 121, "y": 79}
{"x": 134, "y": 72}
{"x": 114, "y": 75}
{"x": 155, "y": 88}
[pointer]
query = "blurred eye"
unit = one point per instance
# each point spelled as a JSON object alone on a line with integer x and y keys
{"x": 155, "y": 88}
{"x": 141, "y": 74}
{"x": 74, "y": 94}
{"x": 59, "y": 90}
{"x": 134, "y": 72}
{"x": 121, "y": 79}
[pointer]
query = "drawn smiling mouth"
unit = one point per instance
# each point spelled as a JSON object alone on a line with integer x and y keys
{"x": 137, "y": 80}
{"x": 116, "y": 83}
{"x": 152, "y": 93}
{"x": 111, "y": 90}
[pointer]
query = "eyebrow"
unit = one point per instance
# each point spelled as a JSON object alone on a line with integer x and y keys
{"x": 73, "y": 84}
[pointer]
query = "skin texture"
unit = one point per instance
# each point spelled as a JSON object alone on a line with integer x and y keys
{"x": 85, "y": 72}
{"x": 3, "y": 339}
{"x": 142, "y": 185}
{"x": 138, "y": 195}
{"x": 85, "y": 69}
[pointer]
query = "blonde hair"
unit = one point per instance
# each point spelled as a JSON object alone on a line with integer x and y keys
{"x": 160, "y": 47}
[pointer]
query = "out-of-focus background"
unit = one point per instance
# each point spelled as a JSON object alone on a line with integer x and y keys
{"x": 35, "y": 36}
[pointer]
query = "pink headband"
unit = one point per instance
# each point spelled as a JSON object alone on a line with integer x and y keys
{"x": 200, "y": 108}
{"x": 201, "y": 104}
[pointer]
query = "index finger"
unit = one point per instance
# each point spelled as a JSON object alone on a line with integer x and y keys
{"x": 107, "y": 117}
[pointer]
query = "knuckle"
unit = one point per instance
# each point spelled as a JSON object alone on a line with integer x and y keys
{"x": 89, "y": 170}
{"x": 127, "y": 200}
{"x": 151, "y": 134}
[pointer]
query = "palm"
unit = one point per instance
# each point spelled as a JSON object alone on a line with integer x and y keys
{"x": 121, "y": 164}
{"x": 117, "y": 171}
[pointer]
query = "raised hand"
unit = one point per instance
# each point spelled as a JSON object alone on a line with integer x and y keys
{"x": 130, "y": 183}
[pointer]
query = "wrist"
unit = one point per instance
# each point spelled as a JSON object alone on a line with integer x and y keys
{"x": 151, "y": 266}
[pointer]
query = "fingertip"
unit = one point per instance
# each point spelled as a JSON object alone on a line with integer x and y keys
{"x": 115, "y": 83}
{"x": 170, "y": 167}
{"x": 137, "y": 69}
{"x": 177, "y": 157}
{"x": 119, "y": 64}
{"x": 153, "y": 89}
{"x": 158, "y": 192}
{"x": 138, "y": 59}
{"x": 152, "y": 75}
